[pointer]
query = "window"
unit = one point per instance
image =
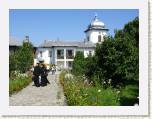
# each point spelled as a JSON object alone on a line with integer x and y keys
{"x": 99, "y": 38}
{"x": 60, "y": 54}
{"x": 69, "y": 64}
{"x": 69, "y": 54}
{"x": 88, "y": 39}
{"x": 50, "y": 53}
{"x": 40, "y": 53}
{"x": 90, "y": 53}
{"x": 60, "y": 64}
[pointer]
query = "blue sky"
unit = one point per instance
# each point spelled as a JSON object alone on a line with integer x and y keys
{"x": 68, "y": 25}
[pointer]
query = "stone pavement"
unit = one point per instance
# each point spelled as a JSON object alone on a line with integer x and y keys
{"x": 50, "y": 95}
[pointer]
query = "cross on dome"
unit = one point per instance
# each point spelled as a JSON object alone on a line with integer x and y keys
{"x": 96, "y": 22}
{"x": 95, "y": 16}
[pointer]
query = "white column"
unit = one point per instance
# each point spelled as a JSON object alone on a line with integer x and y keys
{"x": 74, "y": 51}
{"x": 64, "y": 58}
{"x": 55, "y": 55}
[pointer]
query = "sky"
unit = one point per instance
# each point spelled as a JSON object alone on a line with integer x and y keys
{"x": 63, "y": 24}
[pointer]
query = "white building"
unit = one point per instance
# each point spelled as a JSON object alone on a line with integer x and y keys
{"x": 62, "y": 53}
{"x": 96, "y": 31}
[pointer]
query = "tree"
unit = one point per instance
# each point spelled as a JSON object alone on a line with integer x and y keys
{"x": 118, "y": 57}
{"x": 12, "y": 62}
{"x": 25, "y": 57}
{"x": 78, "y": 67}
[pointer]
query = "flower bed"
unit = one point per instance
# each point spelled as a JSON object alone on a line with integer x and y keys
{"x": 79, "y": 94}
{"x": 18, "y": 81}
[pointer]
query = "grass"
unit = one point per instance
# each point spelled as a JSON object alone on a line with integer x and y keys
{"x": 129, "y": 95}
{"x": 18, "y": 84}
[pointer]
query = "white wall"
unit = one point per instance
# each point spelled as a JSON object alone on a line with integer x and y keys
{"x": 64, "y": 60}
{"x": 45, "y": 54}
{"x": 47, "y": 59}
{"x": 86, "y": 52}
{"x": 93, "y": 35}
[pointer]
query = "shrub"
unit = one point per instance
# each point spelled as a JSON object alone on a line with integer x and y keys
{"x": 25, "y": 57}
{"x": 12, "y": 62}
{"x": 78, "y": 67}
{"x": 19, "y": 82}
{"x": 129, "y": 95}
{"x": 61, "y": 77}
{"x": 22, "y": 58}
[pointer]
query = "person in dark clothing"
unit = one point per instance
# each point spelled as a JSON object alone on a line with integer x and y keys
{"x": 36, "y": 74}
{"x": 44, "y": 74}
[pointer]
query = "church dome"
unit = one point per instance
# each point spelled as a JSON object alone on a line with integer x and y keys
{"x": 97, "y": 22}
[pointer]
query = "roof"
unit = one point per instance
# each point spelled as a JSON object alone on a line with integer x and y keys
{"x": 66, "y": 44}
{"x": 96, "y": 24}
{"x": 14, "y": 42}
{"x": 96, "y": 28}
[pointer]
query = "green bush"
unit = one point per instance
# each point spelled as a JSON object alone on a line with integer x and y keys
{"x": 129, "y": 95}
{"x": 61, "y": 77}
{"x": 25, "y": 57}
{"x": 22, "y": 58}
{"x": 78, "y": 66}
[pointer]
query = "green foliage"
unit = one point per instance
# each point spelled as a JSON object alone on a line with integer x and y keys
{"x": 116, "y": 59}
{"x": 18, "y": 83}
{"x": 78, "y": 64}
{"x": 12, "y": 62}
{"x": 25, "y": 57}
{"x": 22, "y": 59}
{"x": 90, "y": 66}
{"x": 129, "y": 95}
{"x": 77, "y": 94}
{"x": 61, "y": 77}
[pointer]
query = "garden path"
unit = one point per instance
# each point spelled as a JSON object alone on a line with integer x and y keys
{"x": 50, "y": 95}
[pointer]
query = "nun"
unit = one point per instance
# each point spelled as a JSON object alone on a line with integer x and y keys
{"x": 36, "y": 74}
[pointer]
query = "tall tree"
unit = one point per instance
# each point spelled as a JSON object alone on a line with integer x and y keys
{"x": 25, "y": 57}
{"x": 118, "y": 57}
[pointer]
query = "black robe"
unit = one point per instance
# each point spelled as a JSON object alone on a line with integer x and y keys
{"x": 44, "y": 75}
{"x": 36, "y": 73}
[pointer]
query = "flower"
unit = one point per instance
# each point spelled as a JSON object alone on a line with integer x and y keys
{"x": 118, "y": 91}
{"x": 109, "y": 81}
{"x": 85, "y": 94}
{"x": 99, "y": 91}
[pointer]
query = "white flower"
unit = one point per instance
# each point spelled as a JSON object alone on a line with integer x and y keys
{"x": 118, "y": 91}
{"x": 99, "y": 91}
{"x": 109, "y": 81}
{"x": 68, "y": 76}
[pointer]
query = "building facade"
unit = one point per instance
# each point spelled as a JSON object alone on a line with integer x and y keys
{"x": 62, "y": 53}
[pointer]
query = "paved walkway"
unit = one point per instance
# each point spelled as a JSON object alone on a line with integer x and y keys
{"x": 50, "y": 95}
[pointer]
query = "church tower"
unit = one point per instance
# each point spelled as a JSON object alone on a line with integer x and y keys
{"x": 96, "y": 31}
